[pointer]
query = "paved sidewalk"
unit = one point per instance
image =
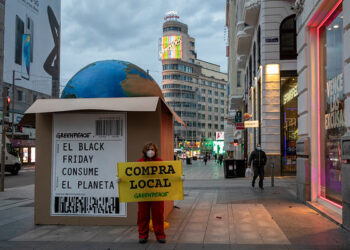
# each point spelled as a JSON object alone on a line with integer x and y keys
{"x": 217, "y": 213}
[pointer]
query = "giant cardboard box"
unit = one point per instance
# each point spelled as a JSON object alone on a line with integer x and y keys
{"x": 63, "y": 141}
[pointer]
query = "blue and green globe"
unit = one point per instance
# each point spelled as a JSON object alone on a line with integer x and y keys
{"x": 111, "y": 78}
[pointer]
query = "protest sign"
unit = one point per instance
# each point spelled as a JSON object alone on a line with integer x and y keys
{"x": 150, "y": 181}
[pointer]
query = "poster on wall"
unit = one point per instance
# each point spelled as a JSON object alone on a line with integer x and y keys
{"x": 32, "y": 44}
{"x": 86, "y": 150}
{"x": 171, "y": 47}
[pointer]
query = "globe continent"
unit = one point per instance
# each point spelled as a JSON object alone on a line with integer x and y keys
{"x": 111, "y": 78}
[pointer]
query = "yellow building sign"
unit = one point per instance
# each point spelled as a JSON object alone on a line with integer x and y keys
{"x": 150, "y": 181}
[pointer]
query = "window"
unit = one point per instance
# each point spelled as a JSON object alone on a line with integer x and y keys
{"x": 172, "y": 29}
{"x": 216, "y": 101}
{"x": 210, "y": 100}
{"x": 288, "y": 39}
{"x": 222, "y": 127}
{"x": 216, "y": 118}
{"x": 209, "y": 92}
{"x": 209, "y": 117}
{"x": 216, "y": 109}
{"x": 216, "y": 93}
{"x": 222, "y": 94}
{"x": 222, "y": 118}
{"x": 222, "y": 111}
{"x": 20, "y": 96}
{"x": 209, "y": 134}
{"x": 192, "y": 44}
{"x": 222, "y": 102}
{"x": 209, "y": 109}
{"x": 259, "y": 46}
{"x": 203, "y": 108}
{"x": 216, "y": 126}
{"x": 18, "y": 40}
{"x": 254, "y": 59}
{"x": 239, "y": 79}
{"x": 203, "y": 91}
{"x": 209, "y": 125}
{"x": 203, "y": 99}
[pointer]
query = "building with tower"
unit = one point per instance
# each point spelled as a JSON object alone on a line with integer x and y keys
{"x": 195, "y": 89}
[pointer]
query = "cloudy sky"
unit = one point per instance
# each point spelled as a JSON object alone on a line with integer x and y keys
{"x": 93, "y": 30}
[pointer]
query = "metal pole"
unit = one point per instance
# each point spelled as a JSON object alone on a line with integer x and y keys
{"x": 13, "y": 103}
{"x": 272, "y": 175}
{"x": 3, "y": 141}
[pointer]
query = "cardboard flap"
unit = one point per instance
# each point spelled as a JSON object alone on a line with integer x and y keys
{"x": 127, "y": 104}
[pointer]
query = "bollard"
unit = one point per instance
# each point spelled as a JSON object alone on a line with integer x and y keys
{"x": 272, "y": 174}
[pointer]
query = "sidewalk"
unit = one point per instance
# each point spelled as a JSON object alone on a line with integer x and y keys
{"x": 217, "y": 213}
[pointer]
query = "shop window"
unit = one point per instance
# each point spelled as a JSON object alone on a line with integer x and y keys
{"x": 332, "y": 121}
{"x": 288, "y": 39}
{"x": 289, "y": 120}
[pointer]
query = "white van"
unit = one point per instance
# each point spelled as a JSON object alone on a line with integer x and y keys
{"x": 12, "y": 161}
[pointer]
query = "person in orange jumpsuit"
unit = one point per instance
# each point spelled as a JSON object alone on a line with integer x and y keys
{"x": 150, "y": 153}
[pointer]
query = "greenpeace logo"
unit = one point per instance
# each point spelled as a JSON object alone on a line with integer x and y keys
{"x": 72, "y": 135}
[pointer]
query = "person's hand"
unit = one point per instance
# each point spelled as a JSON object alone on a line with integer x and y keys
{"x": 117, "y": 179}
{"x": 182, "y": 177}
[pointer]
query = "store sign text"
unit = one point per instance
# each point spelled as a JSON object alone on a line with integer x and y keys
{"x": 334, "y": 117}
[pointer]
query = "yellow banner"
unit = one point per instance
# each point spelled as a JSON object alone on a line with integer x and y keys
{"x": 150, "y": 181}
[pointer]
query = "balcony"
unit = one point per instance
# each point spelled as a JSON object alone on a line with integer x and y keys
{"x": 243, "y": 42}
{"x": 251, "y": 11}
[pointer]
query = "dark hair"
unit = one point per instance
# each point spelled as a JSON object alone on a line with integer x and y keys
{"x": 147, "y": 146}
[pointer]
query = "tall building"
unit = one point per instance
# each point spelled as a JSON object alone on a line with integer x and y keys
{"x": 265, "y": 48}
{"x": 324, "y": 108}
{"x": 195, "y": 89}
{"x": 30, "y": 66}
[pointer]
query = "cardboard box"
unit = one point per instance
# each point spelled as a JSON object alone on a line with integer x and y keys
{"x": 147, "y": 119}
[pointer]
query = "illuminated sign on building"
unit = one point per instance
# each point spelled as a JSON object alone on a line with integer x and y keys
{"x": 171, "y": 47}
{"x": 220, "y": 136}
{"x": 293, "y": 92}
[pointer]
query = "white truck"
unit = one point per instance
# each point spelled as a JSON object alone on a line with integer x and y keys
{"x": 12, "y": 161}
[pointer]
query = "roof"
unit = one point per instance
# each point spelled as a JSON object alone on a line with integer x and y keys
{"x": 127, "y": 104}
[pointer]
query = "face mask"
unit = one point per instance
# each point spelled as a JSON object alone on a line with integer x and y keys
{"x": 150, "y": 153}
{"x": 258, "y": 148}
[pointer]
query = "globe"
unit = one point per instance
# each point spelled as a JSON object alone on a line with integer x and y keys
{"x": 111, "y": 78}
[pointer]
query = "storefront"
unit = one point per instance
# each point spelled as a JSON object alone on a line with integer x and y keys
{"x": 25, "y": 149}
{"x": 323, "y": 87}
{"x": 289, "y": 121}
{"x": 331, "y": 109}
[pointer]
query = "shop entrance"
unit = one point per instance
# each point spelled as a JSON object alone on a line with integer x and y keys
{"x": 289, "y": 121}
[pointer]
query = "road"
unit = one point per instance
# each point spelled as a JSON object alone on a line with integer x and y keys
{"x": 26, "y": 176}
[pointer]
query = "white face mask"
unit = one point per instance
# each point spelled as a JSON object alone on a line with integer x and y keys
{"x": 150, "y": 153}
{"x": 258, "y": 148}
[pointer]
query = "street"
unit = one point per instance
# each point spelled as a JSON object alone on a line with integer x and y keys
{"x": 26, "y": 176}
{"x": 217, "y": 213}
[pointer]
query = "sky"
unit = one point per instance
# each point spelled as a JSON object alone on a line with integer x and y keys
{"x": 93, "y": 30}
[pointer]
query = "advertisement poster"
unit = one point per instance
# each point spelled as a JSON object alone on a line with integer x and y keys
{"x": 32, "y": 44}
{"x": 171, "y": 47}
{"x": 150, "y": 181}
{"x": 86, "y": 150}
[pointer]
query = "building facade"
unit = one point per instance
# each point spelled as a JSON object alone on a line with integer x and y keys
{"x": 29, "y": 63}
{"x": 195, "y": 89}
{"x": 266, "y": 65}
{"x": 323, "y": 170}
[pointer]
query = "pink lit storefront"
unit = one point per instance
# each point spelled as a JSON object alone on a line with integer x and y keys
{"x": 323, "y": 175}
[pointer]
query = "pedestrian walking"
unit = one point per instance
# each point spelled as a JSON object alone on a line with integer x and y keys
{"x": 209, "y": 157}
{"x": 216, "y": 157}
{"x": 150, "y": 153}
{"x": 258, "y": 158}
{"x": 221, "y": 158}
{"x": 205, "y": 159}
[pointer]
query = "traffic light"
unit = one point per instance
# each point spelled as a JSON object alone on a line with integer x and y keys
{"x": 8, "y": 100}
{"x": 238, "y": 116}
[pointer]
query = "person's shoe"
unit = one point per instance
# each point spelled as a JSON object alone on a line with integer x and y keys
{"x": 253, "y": 184}
{"x": 142, "y": 240}
{"x": 161, "y": 241}
{"x": 262, "y": 188}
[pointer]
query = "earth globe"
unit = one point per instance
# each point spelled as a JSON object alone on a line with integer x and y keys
{"x": 111, "y": 78}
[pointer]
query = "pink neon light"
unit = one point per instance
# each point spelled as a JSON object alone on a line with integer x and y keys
{"x": 332, "y": 202}
{"x": 318, "y": 102}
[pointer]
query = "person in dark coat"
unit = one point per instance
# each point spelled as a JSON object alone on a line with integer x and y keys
{"x": 258, "y": 158}
{"x": 205, "y": 159}
{"x": 221, "y": 158}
